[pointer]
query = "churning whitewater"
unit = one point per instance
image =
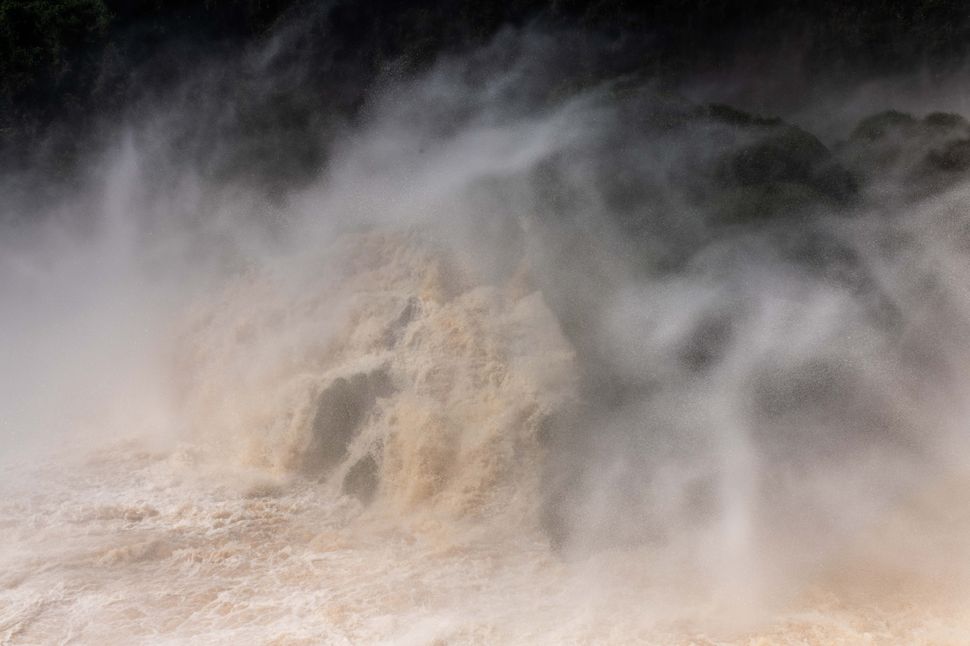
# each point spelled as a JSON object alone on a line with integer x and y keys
{"x": 525, "y": 364}
{"x": 361, "y": 462}
{"x": 388, "y": 375}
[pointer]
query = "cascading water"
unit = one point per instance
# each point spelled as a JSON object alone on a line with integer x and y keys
{"x": 523, "y": 365}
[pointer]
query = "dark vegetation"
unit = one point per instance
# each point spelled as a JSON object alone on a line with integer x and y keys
{"x": 67, "y": 67}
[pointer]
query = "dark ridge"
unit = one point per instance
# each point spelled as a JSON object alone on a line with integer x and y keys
{"x": 883, "y": 124}
{"x": 918, "y": 156}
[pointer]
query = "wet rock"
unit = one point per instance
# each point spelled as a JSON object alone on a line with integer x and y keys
{"x": 953, "y": 157}
{"x": 906, "y": 157}
{"x": 884, "y": 125}
{"x": 774, "y": 169}
{"x": 362, "y": 479}
{"x": 340, "y": 409}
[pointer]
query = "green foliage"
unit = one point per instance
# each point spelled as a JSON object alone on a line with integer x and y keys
{"x": 41, "y": 40}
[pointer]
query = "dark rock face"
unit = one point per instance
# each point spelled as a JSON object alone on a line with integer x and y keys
{"x": 952, "y": 157}
{"x": 883, "y": 125}
{"x": 674, "y": 179}
{"x": 691, "y": 189}
{"x": 672, "y": 175}
{"x": 778, "y": 169}
{"x": 911, "y": 157}
{"x": 341, "y": 408}
{"x": 362, "y": 479}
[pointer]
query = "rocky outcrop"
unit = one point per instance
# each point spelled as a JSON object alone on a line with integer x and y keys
{"x": 897, "y": 154}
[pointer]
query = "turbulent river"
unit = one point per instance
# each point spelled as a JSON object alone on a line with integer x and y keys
{"x": 364, "y": 466}
{"x": 522, "y": 365}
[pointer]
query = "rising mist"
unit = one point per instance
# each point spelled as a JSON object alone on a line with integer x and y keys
{"x": 526, "y": 348}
